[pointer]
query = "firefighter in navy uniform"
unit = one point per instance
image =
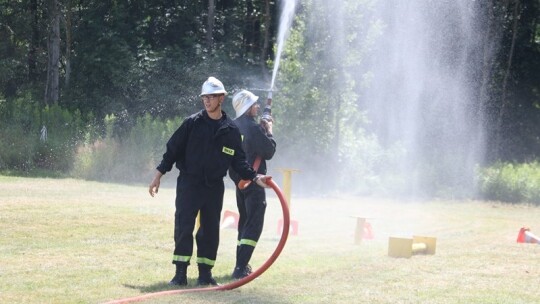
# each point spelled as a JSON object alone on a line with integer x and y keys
{"x": 203, "y": 148}
{"x": 258, "y": 142}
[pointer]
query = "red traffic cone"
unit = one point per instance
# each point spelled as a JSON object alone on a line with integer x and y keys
{"x": 531, "y": 238}
{"x": 230, "y": 219}
{"x": 521, "y": 235}
{"x": 526, "y": 236}
{"x": 368, "y": 231}
{"x": 293, "y": 227}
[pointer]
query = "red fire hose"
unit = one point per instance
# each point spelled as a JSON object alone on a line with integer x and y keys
{"x": 234, "y": 284}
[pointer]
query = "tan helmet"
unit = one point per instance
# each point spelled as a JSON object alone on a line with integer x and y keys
{"x": 242, "y": 101}
{"x": 212, "y": 86}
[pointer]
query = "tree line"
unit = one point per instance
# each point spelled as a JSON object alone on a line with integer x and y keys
{"x": 136, "y": 56}
{"x": 93, "y": 60}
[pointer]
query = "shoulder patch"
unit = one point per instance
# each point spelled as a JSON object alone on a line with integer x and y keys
{"x": 227, "y": 151}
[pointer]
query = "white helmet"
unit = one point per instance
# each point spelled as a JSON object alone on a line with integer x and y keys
{"x": 242, "y": 101}
{"x": 212, "y": 86}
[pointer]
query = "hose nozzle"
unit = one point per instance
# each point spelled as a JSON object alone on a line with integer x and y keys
{"x": 267, "y": 111}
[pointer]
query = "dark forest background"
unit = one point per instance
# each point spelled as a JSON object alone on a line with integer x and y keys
{"x": 93, "y": 89}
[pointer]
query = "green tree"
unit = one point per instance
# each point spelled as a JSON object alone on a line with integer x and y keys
{"x": 518, "y": 115}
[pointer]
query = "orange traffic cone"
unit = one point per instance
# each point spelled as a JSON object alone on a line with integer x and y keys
{"x": 230, "y": 219}
{"x": 526, "y": 236}
{"x": 368, "y": 231}
{"x": 521, "y": 235}
{"x": 293, "y": 227}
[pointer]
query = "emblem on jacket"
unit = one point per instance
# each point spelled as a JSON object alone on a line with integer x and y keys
{"x": 228, "y": 151}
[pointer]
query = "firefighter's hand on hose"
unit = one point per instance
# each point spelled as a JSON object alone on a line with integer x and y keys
{"x": 267, "y": 126}
{"x": 261, "y": 180}
{"x": 267, "y": 118}
{"x": 154, "y": 185}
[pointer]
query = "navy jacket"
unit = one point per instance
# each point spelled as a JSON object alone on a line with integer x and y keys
{"x": 203, "y": 155}
{"x": 255, "y": 143}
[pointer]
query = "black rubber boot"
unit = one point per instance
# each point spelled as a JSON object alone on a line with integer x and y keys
{"x": 205, "y": 276}
{"x": 180, "y": 277}
{"x": 241, "y": 272}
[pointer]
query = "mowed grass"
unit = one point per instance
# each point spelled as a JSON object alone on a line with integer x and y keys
{"x": 72, "y": 241}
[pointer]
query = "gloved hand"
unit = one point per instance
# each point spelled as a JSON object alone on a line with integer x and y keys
{"x": 261, "y": 180}
{"x": 267, "y": 126}
{"x": 267, "y": 118}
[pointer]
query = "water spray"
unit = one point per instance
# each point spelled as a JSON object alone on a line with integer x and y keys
{"x": 286, "y": 18}
{"x": 243, "y": 281}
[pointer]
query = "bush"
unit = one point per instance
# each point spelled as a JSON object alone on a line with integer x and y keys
{"x": 36, "y": 137}
{"x": 128, "y": 158}
{"x": 514, "y": 183}
{"x": 63, "y": 131}
{"x": 17, "y": 148}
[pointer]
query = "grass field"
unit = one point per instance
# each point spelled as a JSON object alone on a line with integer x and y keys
{"x": 72, "y": 241}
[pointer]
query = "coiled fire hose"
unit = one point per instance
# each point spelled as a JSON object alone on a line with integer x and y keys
{"x": 234, "y": 284}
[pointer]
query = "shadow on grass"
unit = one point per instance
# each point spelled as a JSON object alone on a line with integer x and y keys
{"x": 258, "y": 297}
{"x": 162, "y": 286}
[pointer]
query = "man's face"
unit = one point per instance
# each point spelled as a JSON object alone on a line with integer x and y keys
{"x": 212, "y": 102}
{"x": 254, "y": 110}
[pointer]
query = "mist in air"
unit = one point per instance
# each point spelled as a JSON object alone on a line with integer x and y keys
{"x": 413, "y": 71}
